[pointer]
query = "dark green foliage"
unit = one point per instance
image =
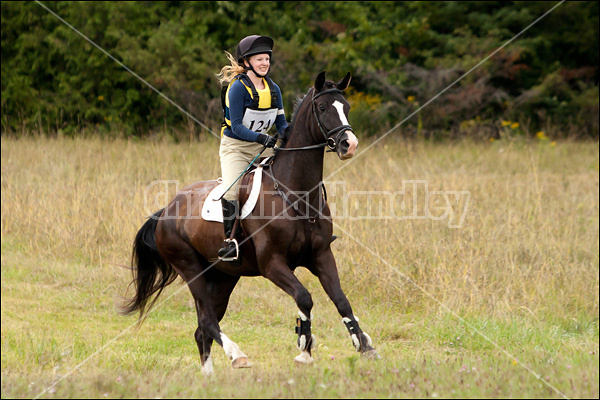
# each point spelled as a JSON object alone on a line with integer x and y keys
{"x": 54, "y": 80}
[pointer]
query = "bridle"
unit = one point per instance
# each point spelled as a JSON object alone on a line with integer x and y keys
{"x": 330, "y": 142}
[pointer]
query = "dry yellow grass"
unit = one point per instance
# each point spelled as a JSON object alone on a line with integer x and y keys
{"x": 529, "y": 240}
{"x": 527, "y": 249}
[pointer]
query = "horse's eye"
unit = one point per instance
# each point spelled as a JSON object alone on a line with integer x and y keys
{"x": 321, "y": 107}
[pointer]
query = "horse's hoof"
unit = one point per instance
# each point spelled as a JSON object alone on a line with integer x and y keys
{"x": 371, "y": 355}
{"x": 304, "y": 358}
{"x": 241, "y": 362}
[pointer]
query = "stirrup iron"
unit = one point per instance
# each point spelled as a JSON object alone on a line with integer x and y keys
{"x": 230, "y": 256}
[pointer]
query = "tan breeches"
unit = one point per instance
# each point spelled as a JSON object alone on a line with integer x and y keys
{"x": 235, "y": 156}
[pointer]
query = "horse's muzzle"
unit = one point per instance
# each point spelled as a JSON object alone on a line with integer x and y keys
{"x": 347, "y": 145}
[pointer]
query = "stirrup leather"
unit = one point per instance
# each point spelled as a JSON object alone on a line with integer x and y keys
{"x": 229, "y": 256}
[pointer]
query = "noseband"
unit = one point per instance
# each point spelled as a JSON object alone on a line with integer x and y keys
{"x": 330, "y": 142}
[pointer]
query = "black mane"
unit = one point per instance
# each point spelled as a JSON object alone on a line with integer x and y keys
{"x": 297, "y": 105}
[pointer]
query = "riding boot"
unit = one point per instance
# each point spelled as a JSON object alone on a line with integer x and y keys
{"x": 229, "y": 251}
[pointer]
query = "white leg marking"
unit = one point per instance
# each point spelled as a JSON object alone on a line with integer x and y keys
{"x": 207, "y": 367}
{"x": 232, "y": 350}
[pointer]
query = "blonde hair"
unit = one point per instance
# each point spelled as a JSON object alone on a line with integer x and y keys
{"x": 228, "y": 72}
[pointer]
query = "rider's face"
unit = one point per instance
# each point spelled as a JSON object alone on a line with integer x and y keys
{"x": 260, "y": 63}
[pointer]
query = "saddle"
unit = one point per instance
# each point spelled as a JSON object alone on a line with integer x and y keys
{"x": 211, "y": 209}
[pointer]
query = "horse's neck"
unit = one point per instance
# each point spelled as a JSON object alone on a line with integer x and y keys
{"x": 299, "y": 171}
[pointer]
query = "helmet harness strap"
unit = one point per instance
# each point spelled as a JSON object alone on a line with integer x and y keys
{"x": 251, "y": 68}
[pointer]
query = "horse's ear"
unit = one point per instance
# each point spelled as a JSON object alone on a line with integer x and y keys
{"x": 344, "y": 83}
{"x": 320, "y": 81}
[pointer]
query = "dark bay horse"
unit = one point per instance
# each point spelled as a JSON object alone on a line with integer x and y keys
{"x": 291, "y": 226}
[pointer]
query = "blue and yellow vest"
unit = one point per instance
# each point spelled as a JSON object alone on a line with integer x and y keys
{"x": 258, "y": 116}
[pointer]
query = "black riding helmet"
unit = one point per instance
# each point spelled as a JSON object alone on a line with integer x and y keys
{"x": 252, "y": 45}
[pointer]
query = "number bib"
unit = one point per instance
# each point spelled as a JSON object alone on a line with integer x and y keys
{"x": 259, "y": 121}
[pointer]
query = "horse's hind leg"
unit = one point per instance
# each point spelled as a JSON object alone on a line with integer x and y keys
{"x": 208, "y": 327}
{"x": 211, "y": 299}
{"x": 191, "y": 267}
{"x": 204, "y": 343}
{"x": 220, "y": 287}
{"x": 326, "y": 270}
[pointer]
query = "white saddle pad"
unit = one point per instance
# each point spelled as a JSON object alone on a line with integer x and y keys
{"x": 211, "y": 209}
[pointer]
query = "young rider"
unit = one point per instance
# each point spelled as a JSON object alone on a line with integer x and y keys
{"x": 252, "y": 105}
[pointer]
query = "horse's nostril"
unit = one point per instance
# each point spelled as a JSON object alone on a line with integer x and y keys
{"x": 347, "y": 145}
{"x": 344, "y": 146}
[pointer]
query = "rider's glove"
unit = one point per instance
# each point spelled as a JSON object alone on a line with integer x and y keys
{"x": 266, "y": 140}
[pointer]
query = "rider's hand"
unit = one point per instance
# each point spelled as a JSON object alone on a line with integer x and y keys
{"x": 266, "y": 140}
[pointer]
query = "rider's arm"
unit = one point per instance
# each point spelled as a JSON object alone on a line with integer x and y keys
{"x": 237, "y": 97}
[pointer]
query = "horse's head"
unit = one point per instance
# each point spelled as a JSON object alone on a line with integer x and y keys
{"x": 331, "y": 112}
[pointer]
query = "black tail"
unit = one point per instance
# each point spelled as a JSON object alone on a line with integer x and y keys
{"x": 151, "y": 273}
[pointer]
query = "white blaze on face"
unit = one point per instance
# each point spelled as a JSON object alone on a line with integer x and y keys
{"x": 352, "y": 140}
{"x": 340, "y": 108}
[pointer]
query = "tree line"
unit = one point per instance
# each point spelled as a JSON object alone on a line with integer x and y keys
{"x": 401, "y": 55}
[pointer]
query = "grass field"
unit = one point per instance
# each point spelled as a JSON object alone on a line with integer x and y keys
{"x": 504, "y": 305}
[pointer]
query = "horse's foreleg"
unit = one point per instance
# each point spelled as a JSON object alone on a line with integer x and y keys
{"x": 326, "y": 270}
{"x": 306, "y": 340}
{"x": 280, "y": 274}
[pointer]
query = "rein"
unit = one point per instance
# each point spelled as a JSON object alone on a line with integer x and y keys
{"x": 329, "y": 141}
{"x": 295, "y": 204}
